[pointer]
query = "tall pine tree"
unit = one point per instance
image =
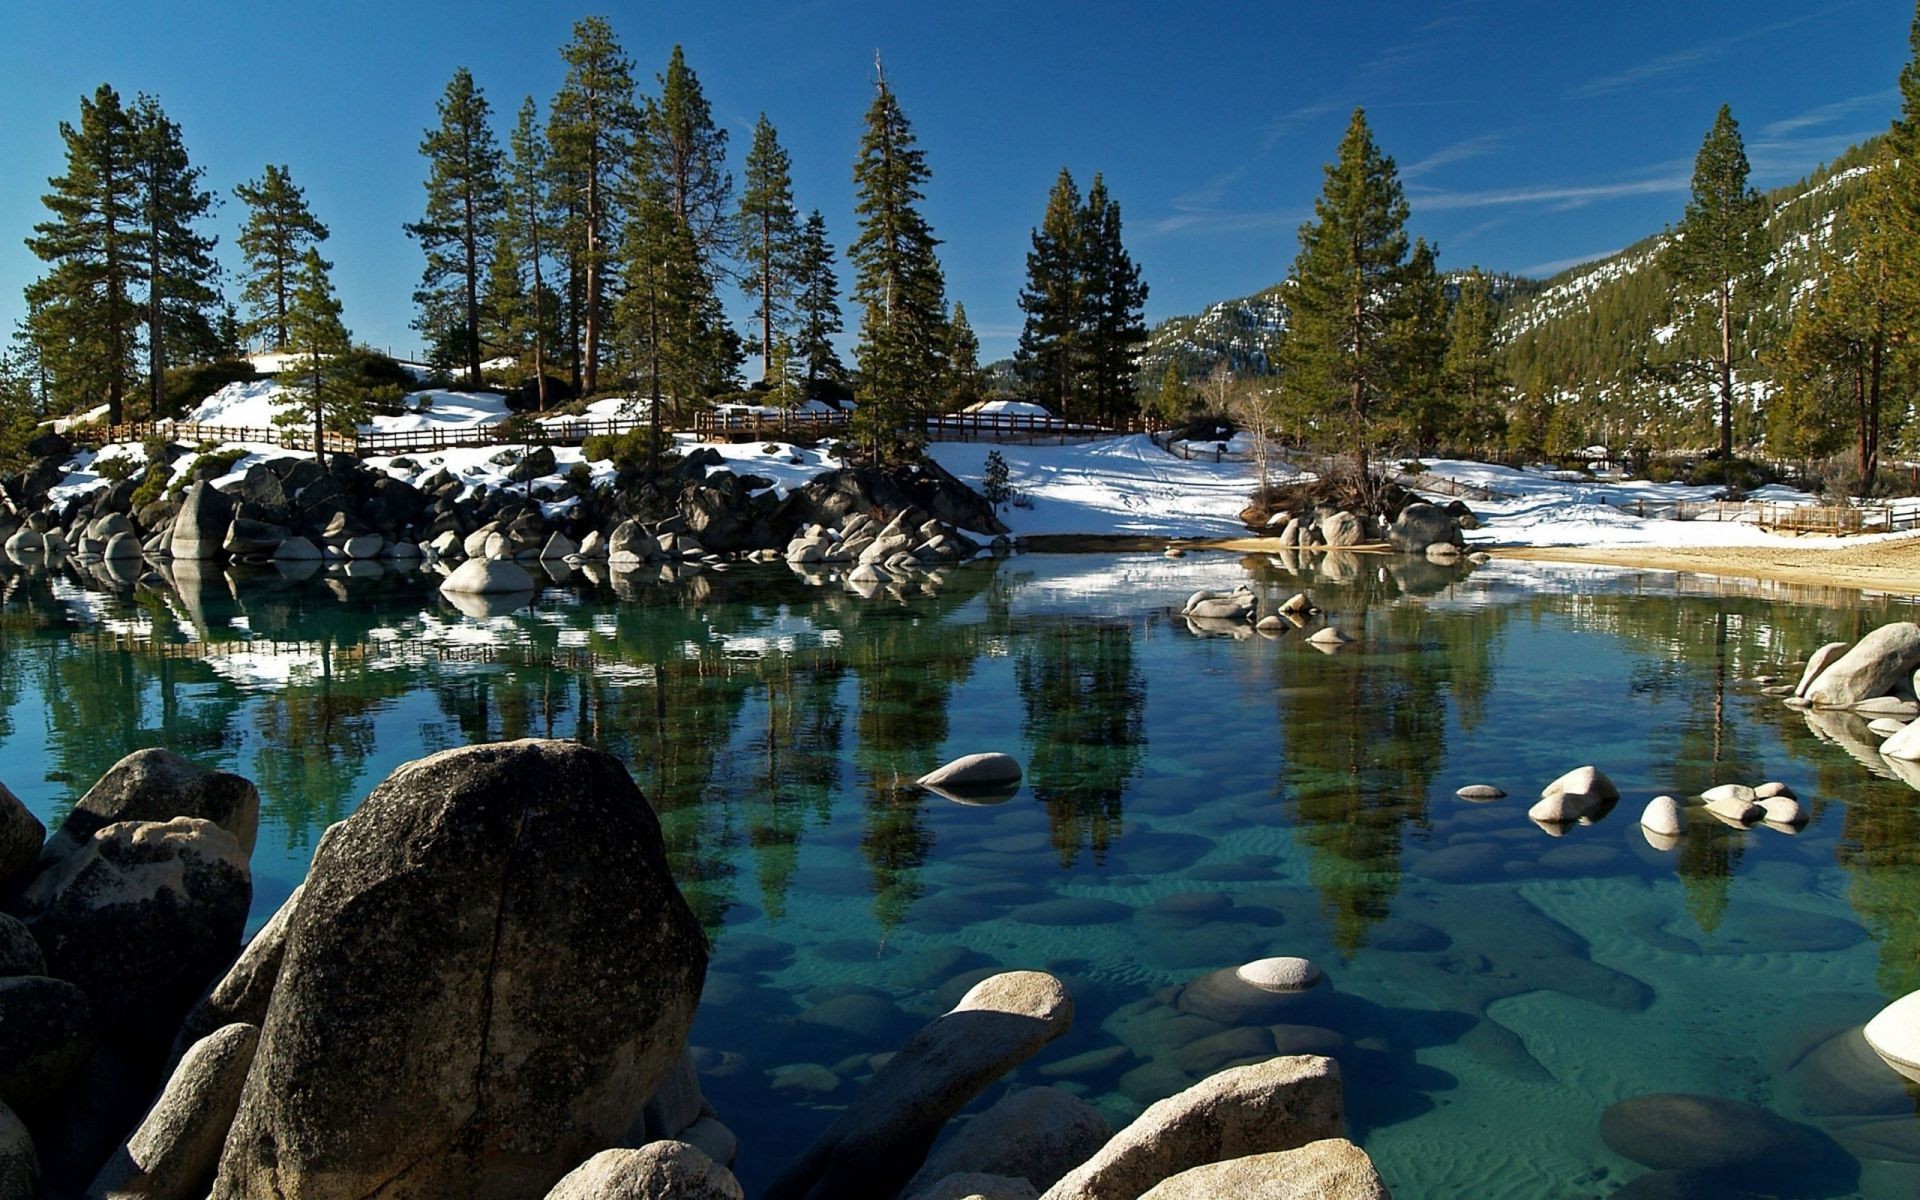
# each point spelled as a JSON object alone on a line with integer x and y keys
{"x": 768, "y": 228}
{"x": 279, "y": 230}
{"x": 1716, "y": 249}
{"x": 312, "y": 389}
{"x": 464, "y": 204}
{"x": 1112, "y": 300}
{"x": 1046, "y": 358}
{"x": 521, "y": 315}
{"x": 1472, "y": 372}
{"x": 816, "y": 304}
{"x": 1423, "y": 408}
{"x": 664, "y": 288}
{"x": 1344, "y": 295}
{"x": 966, "y": 383}
{"x": 590, "y": 135}
{"x": 182, "y": 276}
{"x": 84, "y": 315}
{"x": 898, "y": 284}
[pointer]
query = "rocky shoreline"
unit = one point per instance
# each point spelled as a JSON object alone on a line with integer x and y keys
{"x": 484, "y": 988}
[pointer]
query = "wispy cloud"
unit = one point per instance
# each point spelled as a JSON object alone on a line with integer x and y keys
{"x": 1461, "y": 151}
{"x": 1221, "y": 221}
{"x": 1543, "y": 270}
{"x": 1826, "y": 113}
{"x": 1557, "y": 195}
{"x": 1680, "y": 60}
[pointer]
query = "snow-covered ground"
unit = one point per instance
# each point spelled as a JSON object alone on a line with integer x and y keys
{"x": 252, "y": 405}
{"x": 1122, "y": 485}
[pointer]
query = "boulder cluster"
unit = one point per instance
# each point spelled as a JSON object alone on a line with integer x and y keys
{"x": 298, "y": 514}
{"x": 1243, "y": 611}
{"x": 1584, "y": 796}
{"x": 484, "y": 988}
{"x": 1416, "y": 527}
{"x": 874, "y": 553}
{"x": 1865, "y": 695}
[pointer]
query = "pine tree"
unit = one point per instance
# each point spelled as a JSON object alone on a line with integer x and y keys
{"x": 1344, "y": 294}
{"x": 966, "y": 383}
{"x": 898, "y": 284}
{"x": 1424, "y": 410}
{"x": 817, "y": 303}
{"x": 1046, "y": 358}
{"x": 1112, "y": 300}
{"x": 464, "y": 205}
{"x": 589, "y": 133}
{"x": 664, "y": 290}
{"x": 1716, "y": 249}
{"x": 311, "y": 387}
{"x": 1174, "y": 400}
{"x": 1472, "y": 371}
{"x": 521, "y": 314}
{"x": 278, "y": 232}
{"x": 181, "y": 273}
{"x": 83, "y": 310}
{"x": 768, "y": 228}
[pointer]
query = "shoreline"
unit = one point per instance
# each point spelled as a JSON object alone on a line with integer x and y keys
{"x": 1891, "y": 566}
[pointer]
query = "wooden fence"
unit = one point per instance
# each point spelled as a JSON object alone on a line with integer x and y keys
{"x": 1887, "y": 517}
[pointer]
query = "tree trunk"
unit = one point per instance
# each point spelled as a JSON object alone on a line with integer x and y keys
{"x": 471, "y": 244}
{"x": 1726, "y": 371}
{"x": 1870, "y": 426}
{"x": 539, "y": 311}
{"x": 156, "y": 339}
{"x": 766, "y": 297}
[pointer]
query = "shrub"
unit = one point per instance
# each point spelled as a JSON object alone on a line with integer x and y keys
{"x": 627, "y": 449}
{"x": 207, "y": 465}
{"x": 183, "y": 389}
{"x": 580, "y": 478}
{"x": 117, "y": 468}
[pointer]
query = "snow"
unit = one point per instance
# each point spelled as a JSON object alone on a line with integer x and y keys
{"x": 251, "y": 405}
{"x": 1121, "y": 485}
{"x": 62, "y": 424}
{"x": 1008, "y": 408}
{"x": 752, "y": 458}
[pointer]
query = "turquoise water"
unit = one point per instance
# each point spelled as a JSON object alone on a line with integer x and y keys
{"x": 1191, "y": 802}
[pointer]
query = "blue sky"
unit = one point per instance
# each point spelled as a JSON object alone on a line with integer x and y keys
{"x": 1530, "y": 134}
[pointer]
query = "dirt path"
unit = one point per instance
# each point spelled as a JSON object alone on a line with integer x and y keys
{"x": 1881, "y": 566}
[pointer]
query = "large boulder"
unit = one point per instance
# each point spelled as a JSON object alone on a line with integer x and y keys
{"x": 19, "y": 1165}
{"x": 247, "y": 536}
{"x": 21, "y": 836}
{"x": 882, "y": 1138}
{"x": 1343, "y": 529}
{"x": 142, "y": 918}
{"x": 487, "y": 577}
{"x": 200, "y": 528}
{"x": 489, "y": 958}
{"x": 45, "y": 1038}
{"x": 19, "y": 953}
{"x": 1329, "y": 1169}
{"x": 1420, "y": 525}
{"x": 172, "y": 1155}
{"x": 242, "y": 994}
{"x": 1280, "y": 1104}
{"x": 1876, "y": 663}
{"x": 656, "y": 1171}
{"x": 158, "y": 785}
{"x": 1817, "y": 662}
{"x": 1038, "y": 1134}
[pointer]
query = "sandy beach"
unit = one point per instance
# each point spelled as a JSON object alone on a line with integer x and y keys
{"x": 1884, "y": 565}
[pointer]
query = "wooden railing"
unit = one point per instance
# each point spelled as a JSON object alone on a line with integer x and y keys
{"x": 1885, "y": 517}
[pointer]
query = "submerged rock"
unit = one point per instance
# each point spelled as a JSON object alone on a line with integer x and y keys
{"x": 882, "y": 1138}
{"x": 1730, "y": 1142}
{"x": 1895, "y": 1035}
{"x": 490, "y": 957}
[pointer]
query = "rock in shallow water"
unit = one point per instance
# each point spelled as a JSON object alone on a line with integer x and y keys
{"x": 1480, "y": 793}
{"x": 987, "y": 770}
{"x": 1734, "y": 1141}
{"x": 1038, "y": 1134}
{"x": 653, "y": 1172}
{"x": 1895, "y": 1035}
{"x": 1662, "y": 816}
{"x": 1329, "y": 1169}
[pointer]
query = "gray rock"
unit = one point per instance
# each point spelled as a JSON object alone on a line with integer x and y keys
{"x": 1343, "y": 529}
{"x": 489, "y": 957}
{"x": 1420, "y": 525}
{"x": 658, "y": 1171}
{"x": 242, "y": 994}
{"x": 1817, "y": 662}
{"x": 712, "y": 1139}
{"x": 1038, "y": 1134}
{"x": 19, "y": 1165}
{"x": 1662, "y": 817}
{"x": 247, "y": 536}
{"x": 558, "y": 546}
{"x": 296, "y": 549}
{"x": 172, "y": 1155}
{"x": 1224, "y": 608}
{"x": 975, "y": 1185}
{"x": 200, "y": 528}
{"x": 142, "y": 918}
{"x": 881, "y": 1139}
{"x": 487, "y": 577}
{"x": 1738, "y": 1141}
{"x": 1480, "y": 793}
{"x": 366, "y": 545}
{"x": 158, "y": 785}
{"x": 1584, "y": 781}
{"x": 21, "y": 836}
{"x": 974, "y": 770}
{"x": 45, "y": 1038}
{"x": 1872, "y": 668}
{"x": 122, "y": 547}
{"x": 1281, "y": 1104}
{"x": 1329, "y": 1169}
{"x": 19, "y": 953}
